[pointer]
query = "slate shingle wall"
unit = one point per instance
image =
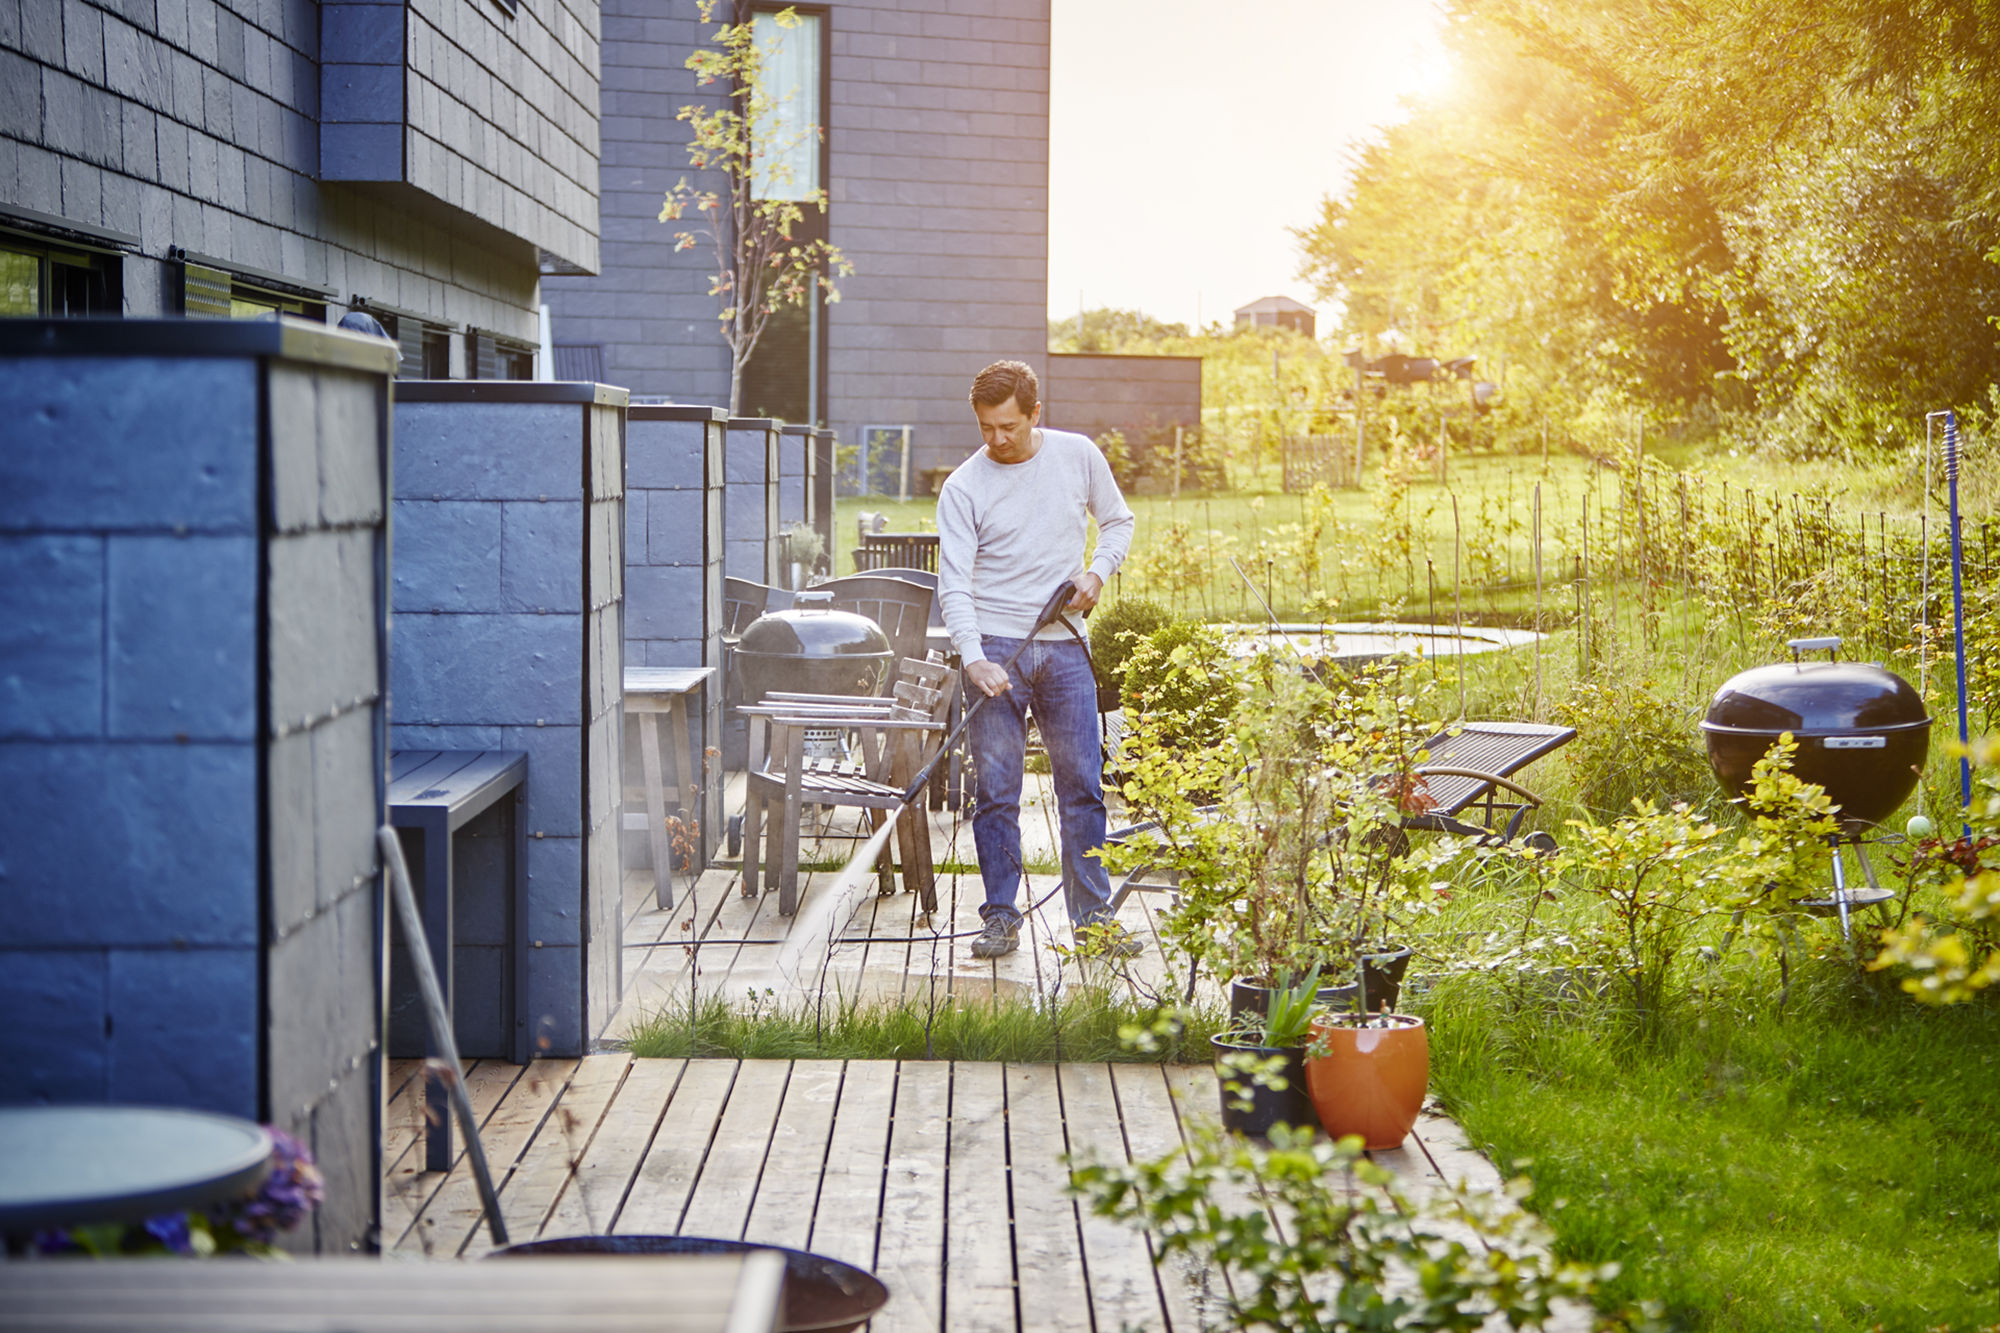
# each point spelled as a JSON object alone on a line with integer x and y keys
{"x": 673, "y": 575}
{"x": 750, "y": 500}
{"x": 509, "y": 600}
{"x": 197, "y": 124}
{"x": 191, "y": 719}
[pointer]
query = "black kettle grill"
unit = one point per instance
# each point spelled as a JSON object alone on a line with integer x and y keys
{"x": 1862, "y": 734}
{"x": 811, "y": 648}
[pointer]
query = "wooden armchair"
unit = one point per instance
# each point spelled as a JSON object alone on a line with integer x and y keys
{"x": 891, "y": 738}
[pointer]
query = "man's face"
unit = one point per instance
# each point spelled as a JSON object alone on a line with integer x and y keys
{"x": 1008, "y": 431}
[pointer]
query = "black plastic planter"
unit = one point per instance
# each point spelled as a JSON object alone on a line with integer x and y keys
{"x": 1384, "y": 972}
{"x": 1291, "y": 1105}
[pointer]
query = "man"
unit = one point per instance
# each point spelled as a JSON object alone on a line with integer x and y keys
{"x": 1012, "y": 522}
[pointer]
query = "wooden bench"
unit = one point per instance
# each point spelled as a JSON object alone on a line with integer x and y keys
{"x": 435, "y": 793}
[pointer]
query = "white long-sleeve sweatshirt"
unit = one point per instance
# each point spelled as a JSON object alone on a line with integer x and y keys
{"x": 1010, "y": 533}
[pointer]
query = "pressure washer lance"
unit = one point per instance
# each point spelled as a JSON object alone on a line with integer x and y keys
{"x": 826, "y": 903}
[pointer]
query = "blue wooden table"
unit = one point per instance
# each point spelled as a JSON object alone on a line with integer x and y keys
{"x": 435, "y": 793}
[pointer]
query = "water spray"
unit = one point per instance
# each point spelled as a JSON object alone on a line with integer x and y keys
{"x": 815, "y": 925}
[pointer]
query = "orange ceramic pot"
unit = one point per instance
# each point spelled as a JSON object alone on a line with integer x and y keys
{"x": 1369, "y": 1080}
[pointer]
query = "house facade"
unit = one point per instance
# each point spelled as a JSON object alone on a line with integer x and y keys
{"x": 934, "y": 157}
{"x": 427, "y": 160}
{"x": 195, "y": 514}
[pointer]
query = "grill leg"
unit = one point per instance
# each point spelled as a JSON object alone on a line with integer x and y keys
{"x": 1840, "y": 893}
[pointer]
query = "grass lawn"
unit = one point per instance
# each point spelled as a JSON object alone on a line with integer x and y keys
{"x": 1837, "y": 1167}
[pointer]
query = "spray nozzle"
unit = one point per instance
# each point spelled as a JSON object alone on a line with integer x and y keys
{"x": 1053, "y": 609}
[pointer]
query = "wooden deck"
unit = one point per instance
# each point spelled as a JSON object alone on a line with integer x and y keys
{"x": 716, "y": 942}
{"x": 944, "y": 1179}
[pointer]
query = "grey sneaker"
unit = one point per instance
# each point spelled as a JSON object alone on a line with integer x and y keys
{"x": 1108, "y": 939}
{"x": 1000, "y": 937}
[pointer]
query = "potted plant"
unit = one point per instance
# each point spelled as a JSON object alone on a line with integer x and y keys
{"x": 1260, "y": 1061}
{"x": 1275, "y": 828}
{"x": 1292, "y": 864}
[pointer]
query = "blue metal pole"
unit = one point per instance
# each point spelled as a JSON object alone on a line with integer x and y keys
{"x": 1958, "y": 607}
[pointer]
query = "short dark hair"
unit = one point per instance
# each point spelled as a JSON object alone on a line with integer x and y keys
{"x": 1003, "y": 380}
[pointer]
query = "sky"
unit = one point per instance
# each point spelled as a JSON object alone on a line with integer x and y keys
{"x": 1186, "y": 138}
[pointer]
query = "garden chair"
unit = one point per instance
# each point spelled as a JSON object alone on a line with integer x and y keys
{"x": 902, "y": 608}
{"x": 927, "y": 578}
{"x": 1468, "y": 774}
{"x": 893, "y": 738}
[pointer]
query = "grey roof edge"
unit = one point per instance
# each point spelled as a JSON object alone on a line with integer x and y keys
{"x": 510, "y": 391}
{"x": 288, "y": 339}
{"x": 675, "y": 412}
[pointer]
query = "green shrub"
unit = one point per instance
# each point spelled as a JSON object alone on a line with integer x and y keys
{"x": 1182, "y": 675}
{"x": 1116, "y": 629}
{"x": 1632, "y": 744}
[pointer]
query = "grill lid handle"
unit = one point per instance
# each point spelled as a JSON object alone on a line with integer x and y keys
{"x": 1830, "y": 643}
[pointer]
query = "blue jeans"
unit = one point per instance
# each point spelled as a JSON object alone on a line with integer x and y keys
{"x": 1054, "y": 680}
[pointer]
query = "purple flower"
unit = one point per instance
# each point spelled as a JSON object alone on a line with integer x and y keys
{"x": 288, "y": 1194}
{"x": 171, "y": 1231}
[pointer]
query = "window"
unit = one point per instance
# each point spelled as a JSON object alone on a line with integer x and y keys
{"x": 425, "y": 347}
{"x": 490, "y": 356}
{"x": 211, "y": 292}
{"x": 783, "y": 377}
{"x": 788, "y": 115}
{"x": 39, "y": 280}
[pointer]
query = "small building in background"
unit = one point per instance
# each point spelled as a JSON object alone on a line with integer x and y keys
{"x": 1278, "y": 312}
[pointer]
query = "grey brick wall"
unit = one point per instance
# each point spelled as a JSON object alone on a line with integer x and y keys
{"x": 508, "y": 635}
{"x": 795, "y": 474}
{"x": 938, "y": 150}
{"x": 197, "y": 124}
{"x": 673, "y": 570}
{"x": 190, "y": 875}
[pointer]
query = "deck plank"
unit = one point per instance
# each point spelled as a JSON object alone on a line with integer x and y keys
{"x": 1047, "y": 1246}
{"x": 850, "y": 1193}
{"x": 589, "y": 1204}
{"x": 979, "y": 1250}
{"x": 1191, "y": 1290}
{"x": 451, "y": 1214}
{"x": 408, "y": 1188}
{"x": 1123, "y": 1290}
{"x": 672, "y": 1164}
{"x": 788, "y": 1191}
{"x": 910, "y": 1250}
{"x": 719, "y": 1205}
{"x": 558, "y": 1149}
